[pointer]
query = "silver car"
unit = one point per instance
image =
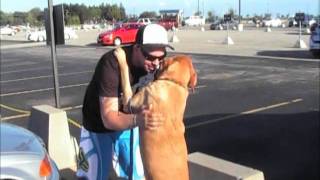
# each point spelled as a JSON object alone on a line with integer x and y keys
{"x": 24, "y": 156}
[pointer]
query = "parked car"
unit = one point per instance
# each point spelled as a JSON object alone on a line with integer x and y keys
{"x": 306, "y": 23}
{"x": 24, "y": 156}
{"x": 272, "y": 23}
{"x": 69, "y": 33}
{"x": 39, "y": 36}
{"x": 168, "y": 24}
{"x": 144, "y": 21}
{"x": 122, "y": 34}
{"x": 6, "y": 30}
{"x": 314, "y": 42}
{"x": 194, "y": 21}
{"x": 216, "y": 25}
{"x": 222, "y": 25}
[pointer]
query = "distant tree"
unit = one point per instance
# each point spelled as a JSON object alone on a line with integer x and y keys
{"x": 115, "y": 12}
{"x": 232, "y": 12}
{"x": 148, "y": 14}
{"x": 83, "y": 13}
{"x": 73, "y": 13}
{"x": 106, "y": 12}
{"x": 267, "y": 16}
{"x": 94, "y": 14}
{"x": 19, "y": 18}
{"x": 211, "y": 16}
{"x": 73, "y": 20}
{"x": 5, "y": 18}
{"x": 122, "y": 12}
{"x": 35, "y": 17}
{"x": 198, "y": 13}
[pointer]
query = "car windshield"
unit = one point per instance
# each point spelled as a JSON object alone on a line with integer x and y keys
{"x": 117, "y": 26}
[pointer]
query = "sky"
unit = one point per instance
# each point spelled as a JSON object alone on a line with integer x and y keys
{"x": 219, "y": 7}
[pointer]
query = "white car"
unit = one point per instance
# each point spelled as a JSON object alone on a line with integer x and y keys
{"x": 195, "y": 21}
{"x": 7, "y": 31}
{"x": 144, "y": 21}
{"x": 23, "y": 155}
{"x": 39, "y": 36}
{"x": 272, "y": 23}
{"x": 314, "y": 42}
{"x": 69, "y": 33}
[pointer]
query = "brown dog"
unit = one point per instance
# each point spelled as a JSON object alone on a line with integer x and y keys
{"x": 164, "y": 151}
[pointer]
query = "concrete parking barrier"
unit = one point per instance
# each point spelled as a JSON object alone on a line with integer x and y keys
{"x": 204, "y": 167}
{"x": 240, "y": 27}
{"x": 174, "y": 38}
{"x": 268, "y": 29}
{"x": 51, "y": 124}
{"x": 307, "y": 31}
{"x": 228, "y": 40}
{"x": 300, "y": 44}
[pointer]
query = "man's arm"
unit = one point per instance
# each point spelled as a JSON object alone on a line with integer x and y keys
{"x": 114, "y": 119}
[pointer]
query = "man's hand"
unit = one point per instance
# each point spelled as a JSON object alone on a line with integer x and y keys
{"x": 149, "y": 119}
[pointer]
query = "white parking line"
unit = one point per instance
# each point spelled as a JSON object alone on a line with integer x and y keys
{"x": 15, "y": 117}
{"x": 271, "y": 107}
{"x": 72, "y": 107}
{"x": 244, "y": 113}
{"x": 23, "y": 70}
{"x": 18, "y": 64}
{"x": 187, "y": 127}
{"x": 200, "y": 86}
{"x": 40, "y": 90}
{"x": 27, "y": 113}
{"x": 40, "y": 77}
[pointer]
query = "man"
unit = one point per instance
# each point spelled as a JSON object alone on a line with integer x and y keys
{"x": 108, "y": 134}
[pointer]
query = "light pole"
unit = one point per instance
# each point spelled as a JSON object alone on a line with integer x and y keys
{"x": 198, "y": 9}
{"x": 53, "y": 55}
{"x": 203, "y": 9}
{"x": 239, "y": 11}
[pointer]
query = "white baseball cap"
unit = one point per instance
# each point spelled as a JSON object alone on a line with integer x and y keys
{"x": 152, "y": 36}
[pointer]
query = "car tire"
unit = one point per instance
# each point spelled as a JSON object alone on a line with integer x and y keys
{"x": 117, "y": 41}
{"x": 316, "y": 53}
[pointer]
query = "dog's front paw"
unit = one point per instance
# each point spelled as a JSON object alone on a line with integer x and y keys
{"x": 120, "y": 54}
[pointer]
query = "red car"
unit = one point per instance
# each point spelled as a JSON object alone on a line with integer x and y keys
{"x": 168, "y": 24}
{"x": 121, "y": 34}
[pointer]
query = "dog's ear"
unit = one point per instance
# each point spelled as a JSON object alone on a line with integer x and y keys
{"x": 193, "y": 77}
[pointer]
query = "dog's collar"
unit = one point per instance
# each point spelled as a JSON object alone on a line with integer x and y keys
{"x": 174, "y": 81}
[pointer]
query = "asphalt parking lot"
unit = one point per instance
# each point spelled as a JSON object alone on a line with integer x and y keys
{"x": 261, "y": 112}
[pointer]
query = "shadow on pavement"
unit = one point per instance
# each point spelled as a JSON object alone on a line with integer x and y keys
{"x": 283, "y": 146}
{"x": 94, "y": 45}
{"x": 298, "y": 54}
{"x": 67, "y": 174}
{"x": 303, "y": 32}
